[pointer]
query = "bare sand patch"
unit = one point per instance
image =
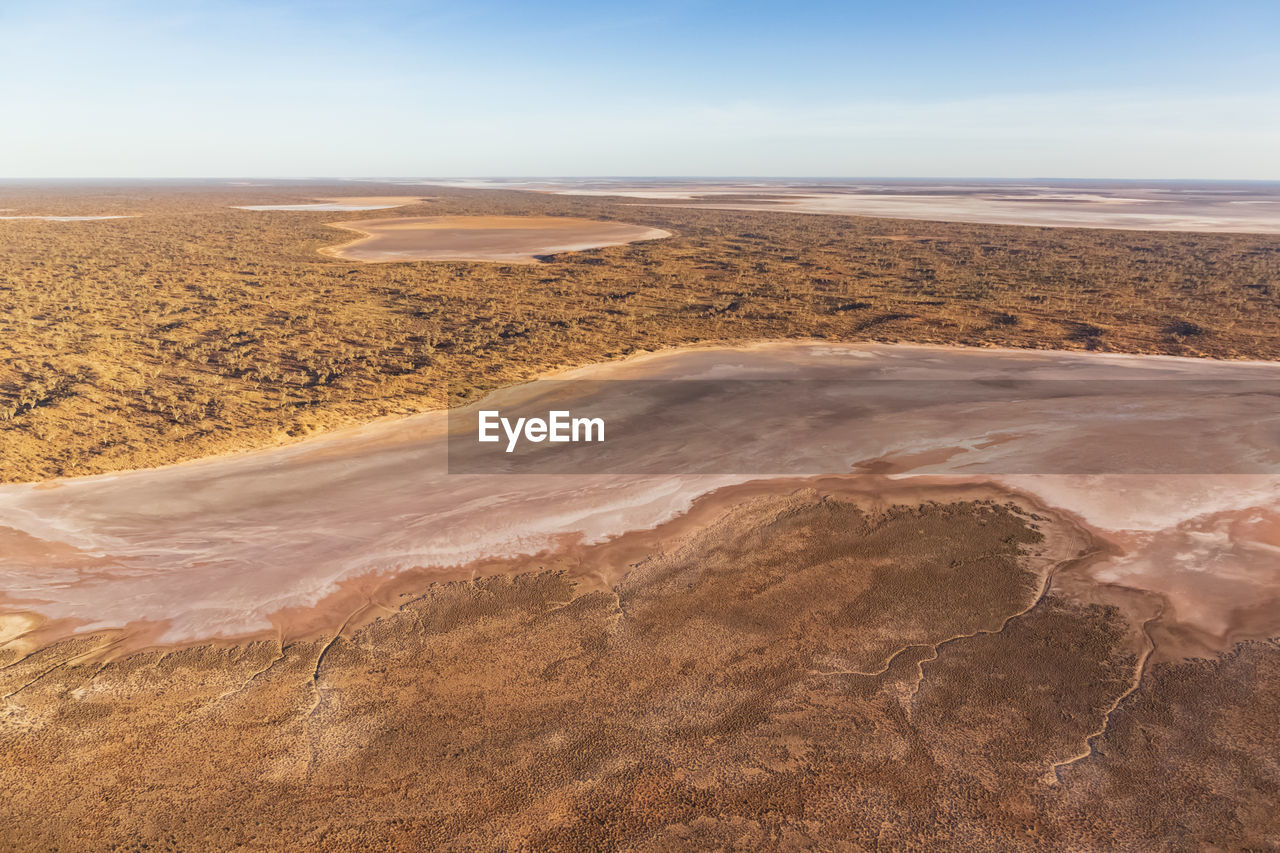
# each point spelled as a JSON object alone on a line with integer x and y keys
{"x": 371, "y": 202}
{"x": 69, "y": 218}
{"x": 513, "y": 239}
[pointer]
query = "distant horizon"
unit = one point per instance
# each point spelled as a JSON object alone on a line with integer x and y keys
{"x": 638, "y": 177}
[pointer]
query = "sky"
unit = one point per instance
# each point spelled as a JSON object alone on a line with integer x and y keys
{"x": 1039, "y": 88}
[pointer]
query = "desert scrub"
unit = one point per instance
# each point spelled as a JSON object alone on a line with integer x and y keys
{"x": 195, "y": 328}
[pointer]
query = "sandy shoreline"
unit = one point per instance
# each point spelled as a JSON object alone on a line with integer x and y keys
{"x": 337, "y": 203}
{"x": 1191, "y": 206}
{"x": 509, "y": 239}
{"x": 349, "y": 520}
{"x": 1110, "y": 214}
{"x": 360, "y": 600}
{"x": 43, "y": 218}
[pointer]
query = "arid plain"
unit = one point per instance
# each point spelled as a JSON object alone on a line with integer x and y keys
{"x": 1248, "y": 207}
{"x": 943, "y": 637}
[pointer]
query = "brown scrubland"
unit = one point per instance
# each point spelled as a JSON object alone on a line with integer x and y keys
{"x": 799, "y": 669}
{"x": 194, "y": 329}
{"x": 801, "y": 673}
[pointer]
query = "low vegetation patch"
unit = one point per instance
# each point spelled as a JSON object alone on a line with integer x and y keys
{"x": 195, "y": 328}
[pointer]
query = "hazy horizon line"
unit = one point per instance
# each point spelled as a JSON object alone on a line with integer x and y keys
{"x": 619, "y": 177}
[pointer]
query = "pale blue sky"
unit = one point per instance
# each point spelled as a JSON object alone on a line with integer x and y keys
{"x": 1084, "y": 89}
